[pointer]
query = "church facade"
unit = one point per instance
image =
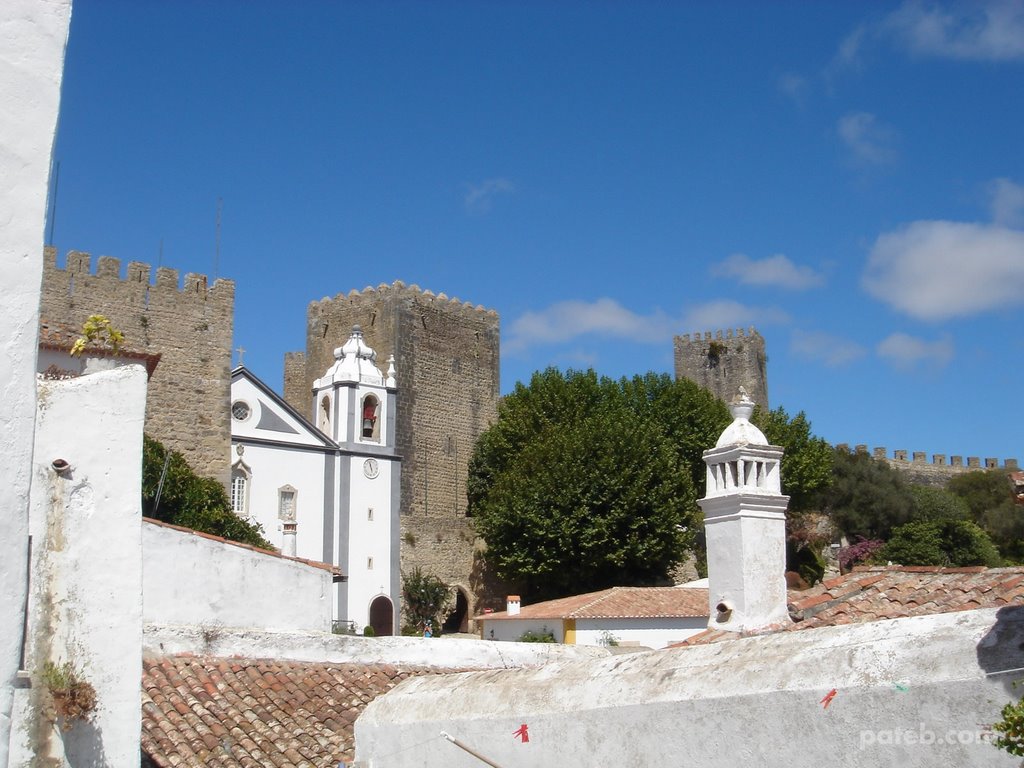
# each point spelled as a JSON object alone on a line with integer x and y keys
{"x": 326, "y": 486}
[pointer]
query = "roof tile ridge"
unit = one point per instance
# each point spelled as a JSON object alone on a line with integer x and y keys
{"x": 600, "y": 596}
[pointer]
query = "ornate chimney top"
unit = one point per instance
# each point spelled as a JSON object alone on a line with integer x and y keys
{"x": 741, "y": 431}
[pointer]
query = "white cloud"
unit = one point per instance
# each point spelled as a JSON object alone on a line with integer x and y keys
{"x": 794, "y": 86}
{"x": 848, "y": 55}
{"x": 565, "y": 321}
{"x": 906, "y": 352}
{"x": 987, "y": 31}
{"x": 831, "y": 350}
{"x": 1007, "y": 203}
{"x": 936, "y": 270}
{"x": 868, "y": 140}
{"x": 775, "y": 270}
{"x": 479, "y": 197}
{"x": 725, "y": 313}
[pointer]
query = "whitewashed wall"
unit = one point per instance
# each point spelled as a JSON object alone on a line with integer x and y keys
{"x": 512, "y": 629}
{"x": 274, "y": 467}
{"x": 86, "y": 579}
{"x": 650, "y": 633}
{"x": 915, "y": 693}
{"x": 33, "y": 36}
{"x": 190, "y": 579}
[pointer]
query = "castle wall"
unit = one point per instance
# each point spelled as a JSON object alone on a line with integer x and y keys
{"x": 939, "y": 470}
{"x": 447, "y": 362}
{"x": 190, "y": 326}
{"x": 724, "y": 362}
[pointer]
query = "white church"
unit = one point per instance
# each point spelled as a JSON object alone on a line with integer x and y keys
{"x": 327, "y": 489}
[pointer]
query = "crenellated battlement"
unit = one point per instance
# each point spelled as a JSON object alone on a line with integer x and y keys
{"x": 77, "y": 264}
{"x": 724, "y": 360}
{"x": 718, "y": 335}
{"x": 940, "y": 468}
{"x": 399, "y": 290}
{"x": 188, "y": 322}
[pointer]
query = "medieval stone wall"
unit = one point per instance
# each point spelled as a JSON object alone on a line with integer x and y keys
{"x": 447, "y": 363}
{"x": 724, "y": 362}
{"x": 189, "y": 326}
{"x": 939, "y": 470}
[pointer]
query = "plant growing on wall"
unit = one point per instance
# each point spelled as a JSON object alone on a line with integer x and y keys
{"x": 73, "y": 698}
{"x": 98, "y": 328}
{"x": 1011, "y": 729}
{"x": 426, "y": 598}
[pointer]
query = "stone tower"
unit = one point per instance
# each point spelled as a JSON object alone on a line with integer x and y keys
{"x": 447, "y": 360}
{"x": 745, "y": 525}
{"x": 189, "y": 326}
{"x": 723, "y": 363}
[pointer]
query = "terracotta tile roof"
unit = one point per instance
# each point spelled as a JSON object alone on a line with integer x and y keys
{"x": 334, "y": 570}
{"x": 61, "y": 337}
{"x": 872, "y": 593}
{"x": 243, "y": 712}
{"x": 617, "y": 603}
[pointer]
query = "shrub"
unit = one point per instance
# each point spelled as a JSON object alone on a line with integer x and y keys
{"x": 952, "y": 543}
{"x": 543, "y": 636}
{"x": 368, "y": 631}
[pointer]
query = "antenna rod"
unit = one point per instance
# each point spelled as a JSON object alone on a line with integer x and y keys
{"x": 216, "y": 255}
{"x": 53, "y": 201}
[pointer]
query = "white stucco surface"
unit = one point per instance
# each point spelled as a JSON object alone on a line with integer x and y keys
{"x": 752, "y": 701}
{"x": 192, "y": 579}
{"x": 512, "y": 629}
{"x": 451, "y": 653}
{"x": 86, "y": 526}
{"x": 647, "y": 632}
{"x": 33, "y": 35}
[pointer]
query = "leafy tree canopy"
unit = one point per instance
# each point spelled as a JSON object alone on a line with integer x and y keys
{"x": 807, "y": 461}
{"x": 989, "y": 497}
{"x": 586, "y": 482}
{"x": 189, "y": 500}
{"x": 867, "y": 497}
{"x": 952, "y": 543}
{"x": 938, "y": 504}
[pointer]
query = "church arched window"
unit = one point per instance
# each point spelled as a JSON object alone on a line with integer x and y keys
{"x": 371, "y": 420}
{"x": 240, "y": 490}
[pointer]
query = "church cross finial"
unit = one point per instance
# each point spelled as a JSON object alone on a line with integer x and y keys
{"x": 241, "y": 354}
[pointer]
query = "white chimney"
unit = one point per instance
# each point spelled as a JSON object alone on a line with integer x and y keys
{"x": 288, "y": 540}
{"x": 745, "y": 525}
{"x": 512, "y": 603}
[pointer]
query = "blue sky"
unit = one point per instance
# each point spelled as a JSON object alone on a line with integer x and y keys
{"x": 846, "y": 177}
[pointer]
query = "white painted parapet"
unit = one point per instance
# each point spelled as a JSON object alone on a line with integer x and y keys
{"x": 33, "y": 36}
{"x": 195, "y": 579}
{"x": 916, "y": 693}
{"x": 86, "y": 580}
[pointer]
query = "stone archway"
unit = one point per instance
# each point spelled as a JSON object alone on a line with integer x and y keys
{"x": 458, "y": 619}
{"x": 382, "y": 616}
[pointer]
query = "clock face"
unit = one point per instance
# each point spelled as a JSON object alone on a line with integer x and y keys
{"x": 370, "y": 468}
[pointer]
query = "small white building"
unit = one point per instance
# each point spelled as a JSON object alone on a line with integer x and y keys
{"x": 652, "y": 617}
{"x": 327, "y": 489}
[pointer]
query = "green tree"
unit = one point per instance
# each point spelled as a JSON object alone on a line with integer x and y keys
{"x": 807, "y": 462}
{"x": 426, "y": 599}
{"x": 867, "y": 497}
{"x": 578, "y": 486}
{"x": 938, "y": 504}
{"x": 952, "y": 543}
{"x": 191, "y": 501}
{"x": 989, "y": 497}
